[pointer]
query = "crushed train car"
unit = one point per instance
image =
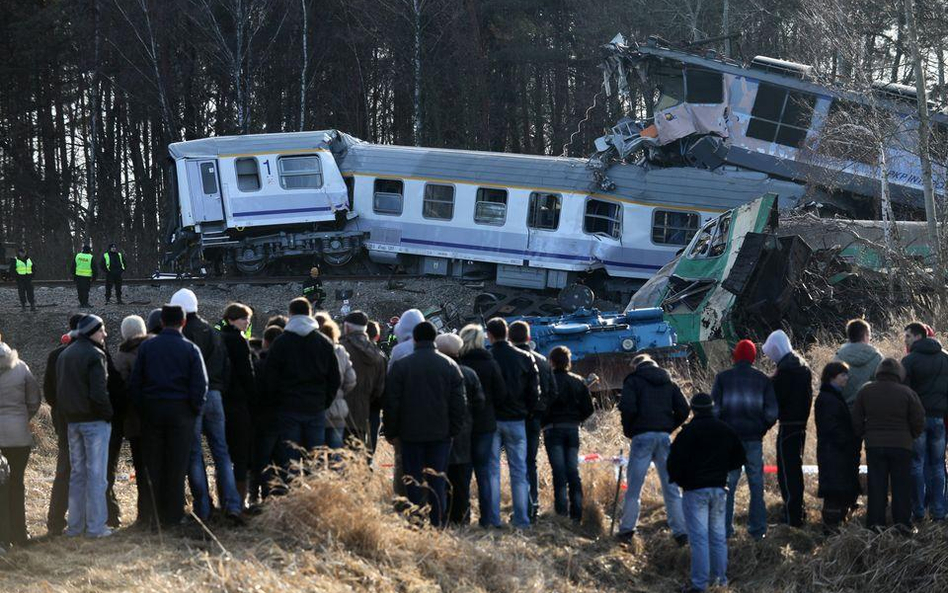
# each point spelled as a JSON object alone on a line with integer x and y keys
{"x": 747, "y": 273}
{"x": 776, "y": 117}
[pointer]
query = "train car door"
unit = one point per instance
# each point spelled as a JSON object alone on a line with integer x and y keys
{"x": 205, "y": 188}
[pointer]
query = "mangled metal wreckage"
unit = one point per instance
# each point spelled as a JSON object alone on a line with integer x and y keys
{"x": 755, "y": 269}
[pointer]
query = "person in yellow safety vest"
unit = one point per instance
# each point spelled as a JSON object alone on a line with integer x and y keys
{"x": 21, "y": 268}
{"x": 113, "y": 264}
{"x": 83, "y": 271}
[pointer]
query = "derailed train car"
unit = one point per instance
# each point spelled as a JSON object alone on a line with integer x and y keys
{"x": 248, "y": 203}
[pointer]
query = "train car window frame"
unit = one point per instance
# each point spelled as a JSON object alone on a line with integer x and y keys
{"x": 393, "y": 195}
{"x": 535, "y": 211}
{"x": 667, "y": 228}
{"x": 208, "y": 170}
{"x": 244, "y": 176}
{"x": 437, "y": 202}
{"x": 490, "y": 196}
{"x": 315, "y": 173}
{"x": 781, "y": 115}
{"x": 616, "y": 220}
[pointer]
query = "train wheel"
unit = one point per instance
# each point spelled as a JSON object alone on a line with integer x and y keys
{"x": 337, "y": 259}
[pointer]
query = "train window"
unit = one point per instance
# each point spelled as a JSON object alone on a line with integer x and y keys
{"x": 670, "y": 86}
{"x": 388, "y": 197}
{"x": 300, "y": 172}
{"x": 703, "y": 86}
{"x": 603, "y": 218}
{"x": 490, "y": 206}
{"x": 208, "y": 179}
{"x": 712, "y": 240}
{"x": 248, "y": 174}
{"x": 438, "y": 202}
{"x": 674, "y": 228}
{"x": 780, "y": 115}
{"x": 544, "y": 211}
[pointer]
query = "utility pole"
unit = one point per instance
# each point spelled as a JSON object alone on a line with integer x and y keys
{"x": 924, "y": 137}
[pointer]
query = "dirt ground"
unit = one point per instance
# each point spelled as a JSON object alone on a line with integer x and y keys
{"x": 338, "y": 532}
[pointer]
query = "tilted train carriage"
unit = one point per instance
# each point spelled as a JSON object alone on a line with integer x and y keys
{"x": 247, "y": 203}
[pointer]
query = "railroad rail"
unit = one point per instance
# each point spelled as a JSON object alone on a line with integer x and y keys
{"x": 230, "y": 281}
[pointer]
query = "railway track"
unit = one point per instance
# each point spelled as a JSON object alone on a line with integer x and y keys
{"x": 254, "y": 281}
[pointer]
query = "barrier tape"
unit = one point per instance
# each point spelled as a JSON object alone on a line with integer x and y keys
{"x": 624, "y": 462}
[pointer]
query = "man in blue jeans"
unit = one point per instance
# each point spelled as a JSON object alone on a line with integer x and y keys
{"x": 302, "y": 377}
{"x": 703, "y": 453}
{"x": 652, "y": 407}
{"x": 521, "y": 378}
{"x": 744, "y": 399}
{"x": 83, "y": 401}
{"x": 210, "y": 422}
{"x": 926, "y": 372}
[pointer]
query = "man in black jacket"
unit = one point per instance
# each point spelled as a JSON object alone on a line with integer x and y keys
{"x": 302, "y": 379}
{"x": 59, "y": 497}
{"x": 703, "y": 454}
{"x": 793, "y": 388}
{"x": 83, "y": 400}
{"x": 926, "y": 372}
{"x": 210, "y": 421}
{"x": 425, "y": 407}
{"x": 520, "y": 337}
{"x": 169, "y": 385}
{"x": 522, "y": 380}
{"x": 652, "y": 407}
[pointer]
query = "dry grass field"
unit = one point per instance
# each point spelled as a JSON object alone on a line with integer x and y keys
{"x": 337, "y": 531}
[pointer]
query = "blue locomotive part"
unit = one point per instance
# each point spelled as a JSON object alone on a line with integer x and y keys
{"x": 590, "y": 332}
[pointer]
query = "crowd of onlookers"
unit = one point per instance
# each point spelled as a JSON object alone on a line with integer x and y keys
{"x": 450, "y": 403}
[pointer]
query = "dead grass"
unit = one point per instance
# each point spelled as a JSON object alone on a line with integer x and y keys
{"x": 337, "y": 531}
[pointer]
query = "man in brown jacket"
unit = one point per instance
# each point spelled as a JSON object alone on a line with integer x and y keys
{"x": 365, "y": 400}
{"x": 889, "y": 416}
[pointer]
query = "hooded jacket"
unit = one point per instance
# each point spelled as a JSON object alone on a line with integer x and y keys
{"x": 793, "y": 388}
{"x": 521, "y": 378}
{"x": 19, "y": 399}
{"x": 302, "y": 370}
{"x": 703, "y": 453}
{"x": 744, "y": 400}
{"x": 370, "y": 367}
{"x": 862, "y": 359}
{"x": 492, "y": 384}
{"x": 888, "y": 413}
{"x": 926, "y": 372}
{"x": 209, "y": 341}
{"x": 82, "y": 393}
{"x": 424, "y": 397}
{"x": 837, "y": 448}
{"x": 572, "y": 403}
{"x": 403, "y": 331}
{"x": 339, "y": 408}
{"x": 651, "y": 402}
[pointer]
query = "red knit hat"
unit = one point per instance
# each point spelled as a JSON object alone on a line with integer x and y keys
{"x": 745, "y": 351}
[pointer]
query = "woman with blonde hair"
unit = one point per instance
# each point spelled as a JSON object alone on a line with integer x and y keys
{"x": 337, "y": 413}
{"x": 474, "y": 355}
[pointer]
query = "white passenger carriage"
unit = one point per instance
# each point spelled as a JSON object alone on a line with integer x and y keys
{"x": 540, "y": 222}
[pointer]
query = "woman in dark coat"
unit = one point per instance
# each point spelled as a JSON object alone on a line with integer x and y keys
{"x": 484, "y": 425}
{"x": 837, "y": 448}
{"x": 238, "y": 428}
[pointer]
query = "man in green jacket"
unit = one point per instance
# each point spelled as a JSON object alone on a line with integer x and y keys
{"x": 113, "y": 264}
{"x": 83, "y": 271}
